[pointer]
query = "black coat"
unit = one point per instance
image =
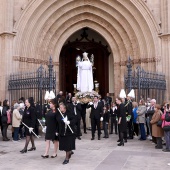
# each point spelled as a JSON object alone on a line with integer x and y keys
{"x": 129, "y": 108}
{"x": 78, "y": 109}
{"x": 29, "y": 118}
{"x": 52, "y": 125}
{"x": 68, "y": 99}
{"x": 71, "y": 118}
{"x": 121, "y": 113}
{"x": 108, "y": 100}
{"x": 106, "y": 116}
{"x": 150, "y": 112}
{"x": 4, "y": 118}
{"x": 97, "y": 112}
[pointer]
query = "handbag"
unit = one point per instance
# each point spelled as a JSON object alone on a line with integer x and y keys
{"x": 167, "y": 117}
{"x": 159, "y": 123}
{"x": 166, "y": 128}
{"x": 8, "y": 117}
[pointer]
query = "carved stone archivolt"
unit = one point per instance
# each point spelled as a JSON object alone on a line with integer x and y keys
{"x": 138, "y": 61}
{"x": 33, "y": 60}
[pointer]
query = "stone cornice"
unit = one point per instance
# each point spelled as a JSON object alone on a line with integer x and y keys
{"x": 33, "y": 60}
{"x": 138, "y": 61}
{"x": 7, "y": 34}
{"x": 164, "y": 35}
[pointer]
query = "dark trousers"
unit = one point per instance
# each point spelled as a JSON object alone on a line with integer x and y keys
{"x": 122, "y": 135}
{"x": 113, "y": 121}
{"x": 142, "y": 131}
{"x": 136, "y": 128}
{"x": 16, "y": 133}
{"x": 105, "y": 128}
{"x": 78, "y": 128}
{"x": 167, "y": 139}
{"x": 21, "y": 131}
{"x": 4, "y": 131}
{"x": 94, "y": 123}
{"x": 83, "y": 116}
{"x": 130, "y": 128}
{"x": 159, "y": 142}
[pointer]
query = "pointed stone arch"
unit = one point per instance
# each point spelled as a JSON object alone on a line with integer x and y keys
{"x": 128, "y": 27}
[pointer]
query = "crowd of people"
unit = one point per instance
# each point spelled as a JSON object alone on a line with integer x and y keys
{"x": 63, "y": 116}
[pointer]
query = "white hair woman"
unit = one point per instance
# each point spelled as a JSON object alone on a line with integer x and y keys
{"x": 16, "y": 121}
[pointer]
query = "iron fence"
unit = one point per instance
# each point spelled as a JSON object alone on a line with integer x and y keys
{"x": 32, "y": 84}
{"x": 146, "y": 84}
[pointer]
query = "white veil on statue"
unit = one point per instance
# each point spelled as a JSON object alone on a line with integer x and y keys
{"x": 85, "y": 75}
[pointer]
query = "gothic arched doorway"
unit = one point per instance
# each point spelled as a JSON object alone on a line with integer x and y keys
{"x": 68, "y": 70}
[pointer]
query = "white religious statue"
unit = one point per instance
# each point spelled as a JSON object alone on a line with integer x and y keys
{"x": 85, "y": 75}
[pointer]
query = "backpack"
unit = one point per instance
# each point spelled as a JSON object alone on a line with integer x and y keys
{"x": 167, "y": 117}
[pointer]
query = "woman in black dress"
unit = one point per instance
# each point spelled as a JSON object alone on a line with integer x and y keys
{"x": 4, "y": 120}
{"x": 29, "y": 118}
{"x": 122, "y": 126}
{"x": 66, "y": 136}
{"x": 51, "y": 129}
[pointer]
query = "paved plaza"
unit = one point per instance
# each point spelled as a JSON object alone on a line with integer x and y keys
{"x": 89, "y": 155}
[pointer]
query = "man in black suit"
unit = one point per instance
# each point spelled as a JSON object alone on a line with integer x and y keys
{"x": 95, "y": 116}
{"x": 129, "y": 111}
{"x": 108, "y": 99}
{"x": 76, "y": 109}
{"x": 69, "y": 98}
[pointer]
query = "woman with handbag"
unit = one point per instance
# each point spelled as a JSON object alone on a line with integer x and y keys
{"x": 166, "y": 128}
{"x": 157, "y": 131}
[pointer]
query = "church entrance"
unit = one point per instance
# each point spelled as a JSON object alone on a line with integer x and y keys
{"x": 68, "y": 69}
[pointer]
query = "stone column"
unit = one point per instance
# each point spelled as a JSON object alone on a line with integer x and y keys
{"x": 6, "y": 45}
{"x": 165, "y": 42}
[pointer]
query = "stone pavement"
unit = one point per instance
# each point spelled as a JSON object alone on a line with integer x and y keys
{"x": 89, "y": 155}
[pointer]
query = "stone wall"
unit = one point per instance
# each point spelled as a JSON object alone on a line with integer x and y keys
{"x": 32, "y": 30}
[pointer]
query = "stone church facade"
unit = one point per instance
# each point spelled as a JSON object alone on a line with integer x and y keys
{"x": 33, "y": 30}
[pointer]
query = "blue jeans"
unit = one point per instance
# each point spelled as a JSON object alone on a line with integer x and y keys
{"x": 142, "y": 131}
{"x": 16, "y": 132}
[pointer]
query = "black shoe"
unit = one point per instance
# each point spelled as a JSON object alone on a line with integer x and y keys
{"x": 111, "y": 132}
{"x": 65, "y": 162}
{"x": 165, "y": 150}
{"x": 118, "y": 140}
{"x": 125, "y": 141}
{"x": 120, "y": 144}
{"x": 31, "y": 149}
{"x": 85, "y": 132}
{"x": 79, "y": 138}
{"x": 23, "y": 151}
{"x": 54, "y": 156}
{"x": 45, "y": 156}
{"x": 92, "y": 138}
{"x": 104, "y": 136}
{"x": 156, "y": 147}
{"x": 130, "y": 137}
{"x": 99, "y": 138}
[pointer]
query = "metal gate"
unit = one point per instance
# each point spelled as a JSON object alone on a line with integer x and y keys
{"x": 32, "y": 84}
{"x": 146, "y": 84}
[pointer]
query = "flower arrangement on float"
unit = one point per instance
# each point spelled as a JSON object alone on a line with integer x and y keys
{"x": 86, "y": 97}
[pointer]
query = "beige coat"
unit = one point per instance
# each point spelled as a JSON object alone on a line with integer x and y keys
{"x": 16, "y": 118}
{"x": 141, "y": 114}
{"x": 156, "y": 130}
